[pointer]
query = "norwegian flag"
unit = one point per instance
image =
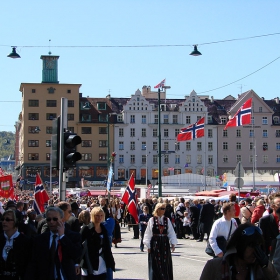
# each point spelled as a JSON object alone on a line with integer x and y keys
{"x": 242, "y": 116}
{"x": 130, "y": 198}
{"x": 40, "y": 196}
{"x": 160, "y": 85}
{"x": 192, "y": 131}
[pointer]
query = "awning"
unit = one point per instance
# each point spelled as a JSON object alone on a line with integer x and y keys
{"x": 103, "y": 192}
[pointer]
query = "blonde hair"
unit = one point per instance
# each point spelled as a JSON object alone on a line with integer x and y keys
{"x": 94, "y": 211}
{"x": 159, "y": 205}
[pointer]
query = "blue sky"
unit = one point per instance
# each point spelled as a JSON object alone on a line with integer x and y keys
{"x": 30, "y": 24}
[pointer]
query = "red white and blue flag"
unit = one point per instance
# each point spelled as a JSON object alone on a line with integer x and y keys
{"x": 160, "y": 85}
{"x": 130, "y": 198}
{"x": 192, "y": 131}
{"x": 242, "y": 116}
{"x": 40, "y": 196}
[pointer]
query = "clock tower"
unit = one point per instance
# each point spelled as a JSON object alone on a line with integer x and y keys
{"x": 49, "y": 72}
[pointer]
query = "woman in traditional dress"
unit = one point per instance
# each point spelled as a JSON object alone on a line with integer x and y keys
{"x": 158, "y": 237}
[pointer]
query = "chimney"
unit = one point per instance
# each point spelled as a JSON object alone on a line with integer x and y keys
{"x": 277, "y": 100}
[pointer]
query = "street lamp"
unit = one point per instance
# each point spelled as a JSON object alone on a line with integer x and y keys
{"x": 159, "y": 142}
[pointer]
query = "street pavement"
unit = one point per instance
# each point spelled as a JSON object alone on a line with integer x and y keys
{"x": 188, "y": 259}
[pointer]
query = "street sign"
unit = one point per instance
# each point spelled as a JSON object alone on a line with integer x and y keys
{"x": 240, "y": 184}
{"x": 239, "y": 170}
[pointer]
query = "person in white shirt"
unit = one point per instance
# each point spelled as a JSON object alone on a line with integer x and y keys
{"x": 224, "y": 226}
{"x": 158, "y": 237}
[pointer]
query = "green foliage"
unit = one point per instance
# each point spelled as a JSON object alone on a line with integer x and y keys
{"x": 7, "y": 144}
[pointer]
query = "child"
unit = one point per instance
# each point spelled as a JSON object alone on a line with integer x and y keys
{"x": 186, "y": 225}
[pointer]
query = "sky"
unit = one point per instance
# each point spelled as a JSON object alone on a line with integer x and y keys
{"x": 87, "y": 35}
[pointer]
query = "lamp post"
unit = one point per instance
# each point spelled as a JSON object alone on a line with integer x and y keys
{"x": 159, "y": 142}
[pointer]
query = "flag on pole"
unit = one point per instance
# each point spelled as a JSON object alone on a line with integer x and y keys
{"x": 130, "y": 198}
{"x": 160, "y": 85}
{"x": 242, "y": 116}
{"x": 110, "y": 179}
{"x": 192, "y": 131}
{"x": 40, "y": 196}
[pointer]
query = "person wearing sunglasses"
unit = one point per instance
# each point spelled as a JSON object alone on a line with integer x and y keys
{"x": 14, "y": 248}
{"x": 244, "y": 259}
{"x": 56, "y": 252}
{"x": 158, "y": 237}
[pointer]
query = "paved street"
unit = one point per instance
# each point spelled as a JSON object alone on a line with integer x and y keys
{"x": 189, "y": 259}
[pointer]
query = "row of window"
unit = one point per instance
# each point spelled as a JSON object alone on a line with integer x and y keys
{"x": 35, "y": 156}
{"x": 49, "y": 103}
{"x": 264, "y": 158}
{"x": 49, "y": 116}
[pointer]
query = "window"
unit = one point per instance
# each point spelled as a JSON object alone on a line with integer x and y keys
{"x": 188, "y": 146}
{"x": 238, "y": 158}
{"x": 175, "y": 119}
{"x": 251, "y": 146}
{"x": 251, "y": 133}
{"x": 177, "y": 159}
{"x": 177, "y": 131}
{"x": 102, "y": 130}
{"x": 265, "y": 146}
{"x": 210, "y": 146}
{"x": 165, "y": 132}
{"x": 86, "y": 118}
{"x": 252, "y": 120}
{"x": 225, "y": 145}
{"x": 33, "y": 143}
{"x": 225, "y": 159}
{"x": 278, "y": 158}
{"x": 121, "y": 145}
{"x": 50, "y": 103}
{"x": 71, "y": 103}
{"x": 198, "y": 117}
{"x": 155, "y": 159}
{"x": 225, "y": 133}
{"x": 260, "y": 109}
{"x": 86, "y": 130}
{"x": 121, "y": 159}
{"x": 33, "y": 103}
{"x": 165, "y": 119}
{"x": 188, "y": 159}
{"x": 155, "y": 146}
{"x": 33, "y": 156}
{"x": 165, "y": 146}
{"x": 144, "y": 118}
{"x": 121, "y": 174}
{"x": 144, "y": 132}
{"x": 68, "y": 90}
{"x": 132, "y": 159}
{"x": 177, "y": 171}
{"x": 238, "y": 133}
{"x": 223, "y": 120}
{"x": 277, "y": 133}
{"x": 251, "y": 158}
{"x": 50, "y": 116}
{"x": 86, "y": 143}
{"x": 177, "y": 146}
{"x": 33, "y": 116}
{"x": 48, "y": 156}
{"x": 199, "y": 146}
{"x": 132, "y": 145}
{"x": 238, "y": 146}
{"x": 103, "y": 143}
{"x": 156, "y": 118}
{"x": 70, "y": 117}
{"x": 132, "y": 132}
{"x": 34, "y": 129}
{"x": 119, "y": 118}
{"x": 101, "y": 105}
{"x": 210, "y": 159}
{"x": 48, "y": 129}
{"x": 155, "y": 132}
{"x": 265, "y": 134}
{"x": 143, "y": 158}
{"x": 199, "y": 159}
{"x": 48, "y": 143}
{"x": 278, "y": 146}
{"x": 132, "y": 119}
{"x": 86, "y": 157}
{"x": 188, "y": 119}
{"x": 102, "y": 157}
{"x": 264, "y": 120}
{"x": 265, "y": 159}
{"x": 210, "y": 133}
{"x": 33, "y": 90}
{"x": 103, "y": 118}
{"x": 144, "y": 145}
{"x": 120, "y": 132}
{"x": 166, "y": 159}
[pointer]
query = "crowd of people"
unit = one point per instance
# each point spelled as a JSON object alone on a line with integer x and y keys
{"x": 73, "y": 238}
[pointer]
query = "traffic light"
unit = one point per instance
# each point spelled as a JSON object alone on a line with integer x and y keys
{"x": 55, "y": 142}
{"x": 71, "y": 140}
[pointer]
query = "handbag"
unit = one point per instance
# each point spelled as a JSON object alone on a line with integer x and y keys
{"x": 221, "y": 242}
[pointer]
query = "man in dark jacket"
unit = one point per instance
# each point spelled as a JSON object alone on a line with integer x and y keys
{"x": 206, "y": 219}
{"x": 194, "y": 219}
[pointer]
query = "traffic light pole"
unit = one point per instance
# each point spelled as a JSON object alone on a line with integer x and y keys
{"x": 63, "y": 125}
